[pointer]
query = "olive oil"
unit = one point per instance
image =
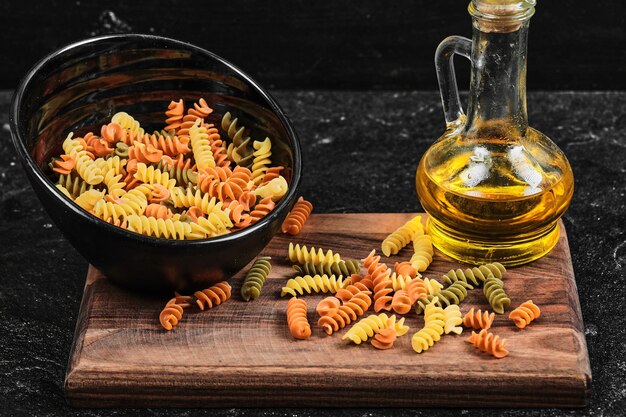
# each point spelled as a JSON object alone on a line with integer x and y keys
{"x": 494, "y": 199}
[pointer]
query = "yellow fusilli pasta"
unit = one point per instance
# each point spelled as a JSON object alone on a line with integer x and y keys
{"x": 422, "y": 252}
{"x": 303, "y": 255}
{"x": 262, "y": 154}
{"x": 367, "y": 327}
{"x": 434, "y": 322}
{"x": 402, "y": 236}
{"x": 312, "y": 284}
{"x": 452, "y": 319}
{"x": 201, "y": 146}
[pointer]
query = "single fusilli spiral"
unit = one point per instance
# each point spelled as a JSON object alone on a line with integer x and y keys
{"x": 172, "y": 313}
{"x": 525, "y": 313}
{"x": 346, "y": 314}
{"x": 476, "y": 275}
{"x": 212, "y": 296}
{"x": 478, "y": 319}
{"x": 262, "y": 153}
{"x": 174, "y": 113}
{"x": 489, "y": 343}
{"x": 401, "y": 236}
{"x": 341, "y": 268}
{"x": 493, "y": 288}
{"x": 422, "y": 252}
{"x": 223, "y": 183}
{"x": 151, "y": 226}
{"x": 302, "y": 255}
{"x": 379, "y": 275}
{"x": 367, "y": 327}
{"x": 309, "y": 284}
{"x": 255, "y": 278}
{"x": 201, "y": 146}
{"x": 452, "y": 319}
{"x": 150, "y": 175}
{"x": 240, "y": 151}
{"x": 297, "y": 322}
{"x": 297, "y": 217}
{"x": 434, "y": 322}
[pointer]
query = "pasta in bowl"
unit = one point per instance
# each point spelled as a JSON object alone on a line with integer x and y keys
{"x": 130, "y": 139}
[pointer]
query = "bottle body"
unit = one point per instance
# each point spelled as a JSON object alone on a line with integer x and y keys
{"x": 494, "y": 199}
{"x": 493, "y": 186}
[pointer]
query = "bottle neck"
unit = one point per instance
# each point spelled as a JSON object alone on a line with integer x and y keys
{"x": 497, "y": 98}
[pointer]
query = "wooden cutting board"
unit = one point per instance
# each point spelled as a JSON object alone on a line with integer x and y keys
{"x": 241, "y": 354}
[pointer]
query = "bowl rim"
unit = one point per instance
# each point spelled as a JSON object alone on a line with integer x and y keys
{"x": 30, "y": 165}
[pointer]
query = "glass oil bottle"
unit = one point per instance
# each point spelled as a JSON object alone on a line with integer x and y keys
{"x": 494, "y": 188}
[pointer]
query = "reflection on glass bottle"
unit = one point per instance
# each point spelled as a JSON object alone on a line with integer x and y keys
{"x": 493, "y": 186}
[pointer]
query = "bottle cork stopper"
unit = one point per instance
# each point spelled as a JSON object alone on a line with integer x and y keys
{"x": 501, "y": 15}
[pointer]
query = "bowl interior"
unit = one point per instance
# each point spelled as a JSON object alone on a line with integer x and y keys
{"x": 80, "y": 87}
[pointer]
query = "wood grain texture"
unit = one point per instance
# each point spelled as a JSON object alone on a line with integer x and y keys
{"x": 241, "y": 354}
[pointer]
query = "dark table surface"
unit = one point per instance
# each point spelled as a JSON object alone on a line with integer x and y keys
{"x": 360, "y": 152}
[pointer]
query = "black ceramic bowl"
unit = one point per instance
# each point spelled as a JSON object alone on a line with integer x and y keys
{"x": 79, "y": 87}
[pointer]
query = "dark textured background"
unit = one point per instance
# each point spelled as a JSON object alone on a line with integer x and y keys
{"x": 324, "y": 44}
{"x": 373, "y": 142}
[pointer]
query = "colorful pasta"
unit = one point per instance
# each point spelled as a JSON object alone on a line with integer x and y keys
{"x": 384, "y": 339}
{"x": 176, "y": 183}
{"x": 379, "y": 274}
{"x": 452, "y": 319}
{"x": 525, "y": 313}
{"x": 434, "y": 322}
{"x": 297, "y": 322}
{"x": 474, "y": 276}
{"x": 312, "y": 284}
{"x": 296, "y": 218}
{"x": 303, "y": 255}
{"x": 454, "y": 294}
{"x": 367, "y": 327}
{"x": 212, "y": 296}
{"x": 255, "y": 278}
{"x": 489, "y": 343}
{"x": 402, "y": 236}
{"x": 172, "y": 313}
{"x": 422, "y": 252}
{"x": 341, "y": 268}
{"x": 478, "y": 319}
{"x": 346, "y": 314}
{"x": 493, "y": 288}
